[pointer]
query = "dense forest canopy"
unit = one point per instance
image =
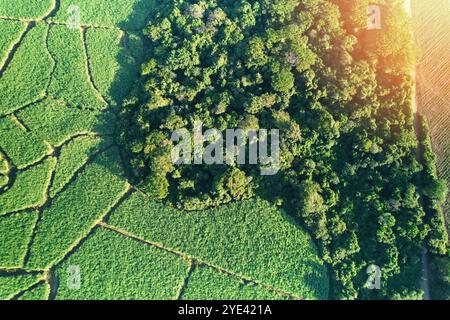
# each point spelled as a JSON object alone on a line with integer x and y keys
{"x": 340, "y": 96}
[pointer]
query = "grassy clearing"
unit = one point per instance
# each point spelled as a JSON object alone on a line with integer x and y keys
{"x": 250, "y": 238}
{"x": 11, "y": 285}
{"x": 71, "y": 79}
{"x": 22, "y": 147}
{"x": 125, "y": 14}
{"x": 26, "y": 9}
{"x": 40, "y": 292}
{"x": 115, "y": 267}
{"x": 113, "y": 68}
{"x": 74, "y": 211}
{"x": 10, "y": 32}
{"x": 205, "y": 282}
{"x": 56, "y": 122}
{"x": 72, "y": 157}
{"x": 26, "y": 78}
{"x": 15, "y": 232}
{"x": 29, "y": 188}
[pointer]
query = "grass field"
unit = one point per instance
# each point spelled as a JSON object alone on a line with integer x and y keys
{"x": 65, "y": 201}
{"x": 432, "y": 25}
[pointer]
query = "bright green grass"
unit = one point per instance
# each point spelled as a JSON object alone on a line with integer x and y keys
{"x": 15, "y": 232}
{"x": 56, "y": 122}
{"x": 25, "y": 8}
{"x": 115, "y": 267}
{"x": 207, "y": 283}
{"x": 29, "y": 188}
{"x": 126, "y": 14}
{"x": 72, "y": 157}
{"x": 26, "y": 78}
{"x": 113, "y": 67}
{"x": 250, "y": 238}
{"x": 40, "y": 292}
{"x": 12, "y": 285}
{"x": 71, "y": 79}
{"x": 10, "y": 32}
{"x": 74, "y": 211}
{"x": 22, "y": 147}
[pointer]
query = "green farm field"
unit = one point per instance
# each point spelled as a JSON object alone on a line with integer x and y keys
{"x": 65, "y": 203}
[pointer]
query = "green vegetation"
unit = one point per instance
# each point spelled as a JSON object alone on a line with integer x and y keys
{"x": 10, "y": 32}
{"x": 72, "y": 157}
{"x": 15, "y": 232}
{"x": 39, "y": 292}
{"x": 338, "y": 93}
{"x": 125, "y": 14}
{"x": 22, "y": 147}
{"x": 114, "y": 267}
{"x": 12, "y": 285}
{"x": 205, "y": 282}
{"x": 55, "y": 121}
{"x": 440, "y": 277}
{"x": 70, "y": 80}
{"x": 29, "y": 188}
{"x": 26, "y": 9}
{"x": 26, "y": 78}
{"x": 113, "y": 68}
{"x": 74, "y": 212}
{"x": 250, "y": 238}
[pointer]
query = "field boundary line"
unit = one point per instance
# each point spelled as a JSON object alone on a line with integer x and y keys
{"x": 198, "y": 261}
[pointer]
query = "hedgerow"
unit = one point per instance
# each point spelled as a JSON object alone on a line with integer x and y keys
{"x": 26, "y": 9}
{"x": 207, "y": 283}
{"x": 70, "y": 81}
{"x": 12, "y": 284}
{"x": 55, "y": 121}
{"x": 72, "y": 157}
{"x": 250, "y": 238}
{"x": 114, "y": 267}
{"x": 73, "y": 212}
{"x": 26, "y": 78}
{"x": 126, "y": 14}
{"x": 22, "y": 147}
{"x": 113, "y": 68}
{"x": 29, "y": 188}
{"x": 10, "y": 32}
{"x": 15, "y": 232}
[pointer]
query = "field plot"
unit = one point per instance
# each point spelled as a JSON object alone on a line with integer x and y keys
{"x": 27, "y": 76}
{"x": 26, "y": 9}
{"x": 432, "y": 25}
{"x": 213, "y": 284}
{"x": 124, "y": 14}
{"x": 250, "y": 238}
{"x": 64, "y": 198}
